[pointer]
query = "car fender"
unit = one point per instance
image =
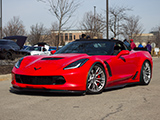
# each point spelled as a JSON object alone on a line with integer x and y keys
{"x": 95, "y": 61}
{"x": 143, "y": 56}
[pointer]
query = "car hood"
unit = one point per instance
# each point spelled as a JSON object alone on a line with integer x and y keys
{"x": 43, "y": 64}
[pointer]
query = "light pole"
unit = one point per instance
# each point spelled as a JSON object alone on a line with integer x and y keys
{"x": 107, "y": 17}
{"x": 1, "y": 18}
{"x": 94, "y": 21}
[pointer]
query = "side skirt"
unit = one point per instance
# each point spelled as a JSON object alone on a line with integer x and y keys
{"x": 122, "y": 86}
{"x": 115, "y": 87}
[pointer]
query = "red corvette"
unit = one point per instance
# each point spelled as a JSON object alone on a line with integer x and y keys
{"x": 83, "y": 66}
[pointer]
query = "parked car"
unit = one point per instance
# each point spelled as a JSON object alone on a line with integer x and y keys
{"x": 10, "y": 49}
{"x": 83, "y": 66}
{"x": 37, "y": 50}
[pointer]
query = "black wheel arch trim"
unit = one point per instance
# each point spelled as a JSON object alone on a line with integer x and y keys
{"x": 149, "y": 64}
{"x": 135, "y": 75}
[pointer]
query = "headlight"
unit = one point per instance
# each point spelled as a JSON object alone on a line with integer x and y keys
{"x": 17, "y": 65}
{"x": 76, "y": 64}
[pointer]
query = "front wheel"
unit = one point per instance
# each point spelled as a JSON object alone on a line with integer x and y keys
{"x": 96, "y": 80}
{"x": 145, "y": 76}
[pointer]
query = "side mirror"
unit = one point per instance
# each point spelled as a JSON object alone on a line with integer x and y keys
{"x": 53, "y": 51}
{"x": 123, "y": 52}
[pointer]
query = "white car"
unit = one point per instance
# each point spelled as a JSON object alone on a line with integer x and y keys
{"x": 38, "y": 50}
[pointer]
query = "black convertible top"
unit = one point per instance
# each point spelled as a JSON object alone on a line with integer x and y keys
{"x": 99, "y": 40}
{"x": 93, "y": 47}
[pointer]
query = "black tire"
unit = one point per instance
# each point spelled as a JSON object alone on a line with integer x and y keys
{"x": 9, "y": 56}
{"x": 145, "y": 76}
{"x": 96, "y": 80}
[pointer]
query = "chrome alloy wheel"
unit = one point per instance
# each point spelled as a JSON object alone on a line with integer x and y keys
{"x": 146, "y": 73}
{"x": 96, "y": 80}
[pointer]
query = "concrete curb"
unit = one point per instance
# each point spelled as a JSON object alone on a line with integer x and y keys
{"x": 5, "y": 77}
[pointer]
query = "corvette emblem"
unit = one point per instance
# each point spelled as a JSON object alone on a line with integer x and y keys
{"x": 37, "y": 68}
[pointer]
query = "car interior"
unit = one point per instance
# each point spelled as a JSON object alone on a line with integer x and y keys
{"x": 118, "y": 48}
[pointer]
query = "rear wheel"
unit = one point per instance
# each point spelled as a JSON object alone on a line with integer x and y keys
{"x": 96, "y": 79}
{"x": 9, "y": 56}
{"x": 145, "y": 76}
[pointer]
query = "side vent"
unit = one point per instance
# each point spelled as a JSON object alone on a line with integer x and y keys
{"x": 135, "y": 76}
{"x": 109, "y": 69}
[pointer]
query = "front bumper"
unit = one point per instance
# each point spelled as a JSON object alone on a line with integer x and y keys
{"x": 75, "y": 80}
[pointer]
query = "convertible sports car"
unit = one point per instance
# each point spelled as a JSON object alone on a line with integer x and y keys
{"x": 83, "y": 66}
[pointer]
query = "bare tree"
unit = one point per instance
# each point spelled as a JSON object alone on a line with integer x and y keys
{"x": 53, "y": 34}
{"x": 63, "y": 10}
{"x": 14, "y": 27}
{"x": 94, "y": 24}
{"x": 132, "y": 29}
{"x": 37, "y": 34}
{"x": 117, "y": 18}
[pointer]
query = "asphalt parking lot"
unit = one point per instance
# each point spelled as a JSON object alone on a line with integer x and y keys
{"x": 129, "y": 103}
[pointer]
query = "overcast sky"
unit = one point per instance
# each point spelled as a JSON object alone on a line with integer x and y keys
{"x": 32, "y": 12}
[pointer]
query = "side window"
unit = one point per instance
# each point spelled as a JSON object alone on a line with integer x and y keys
{"x": 125, "y": 47}
{"x": 121, "y": 46}
{"x": 117, "y": 48}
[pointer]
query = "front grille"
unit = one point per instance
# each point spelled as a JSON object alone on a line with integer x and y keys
{"x": 40, "y": 80}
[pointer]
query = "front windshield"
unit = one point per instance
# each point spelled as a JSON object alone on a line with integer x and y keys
{"x": 88, "y": 47}
{"x": 33, "y": 48}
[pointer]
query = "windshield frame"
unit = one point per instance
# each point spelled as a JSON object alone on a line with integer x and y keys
{"x": 90, "y": 47}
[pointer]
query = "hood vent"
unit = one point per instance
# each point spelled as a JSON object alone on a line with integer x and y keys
{"x": 51, "y": 58}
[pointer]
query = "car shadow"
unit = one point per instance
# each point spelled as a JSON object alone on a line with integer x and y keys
{"x": 59, "y": 94}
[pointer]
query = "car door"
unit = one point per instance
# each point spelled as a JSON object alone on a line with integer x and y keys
{"x": 122, "y": 66}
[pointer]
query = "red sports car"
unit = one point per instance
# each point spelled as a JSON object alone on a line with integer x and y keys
{"x": 83, "y": 66}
